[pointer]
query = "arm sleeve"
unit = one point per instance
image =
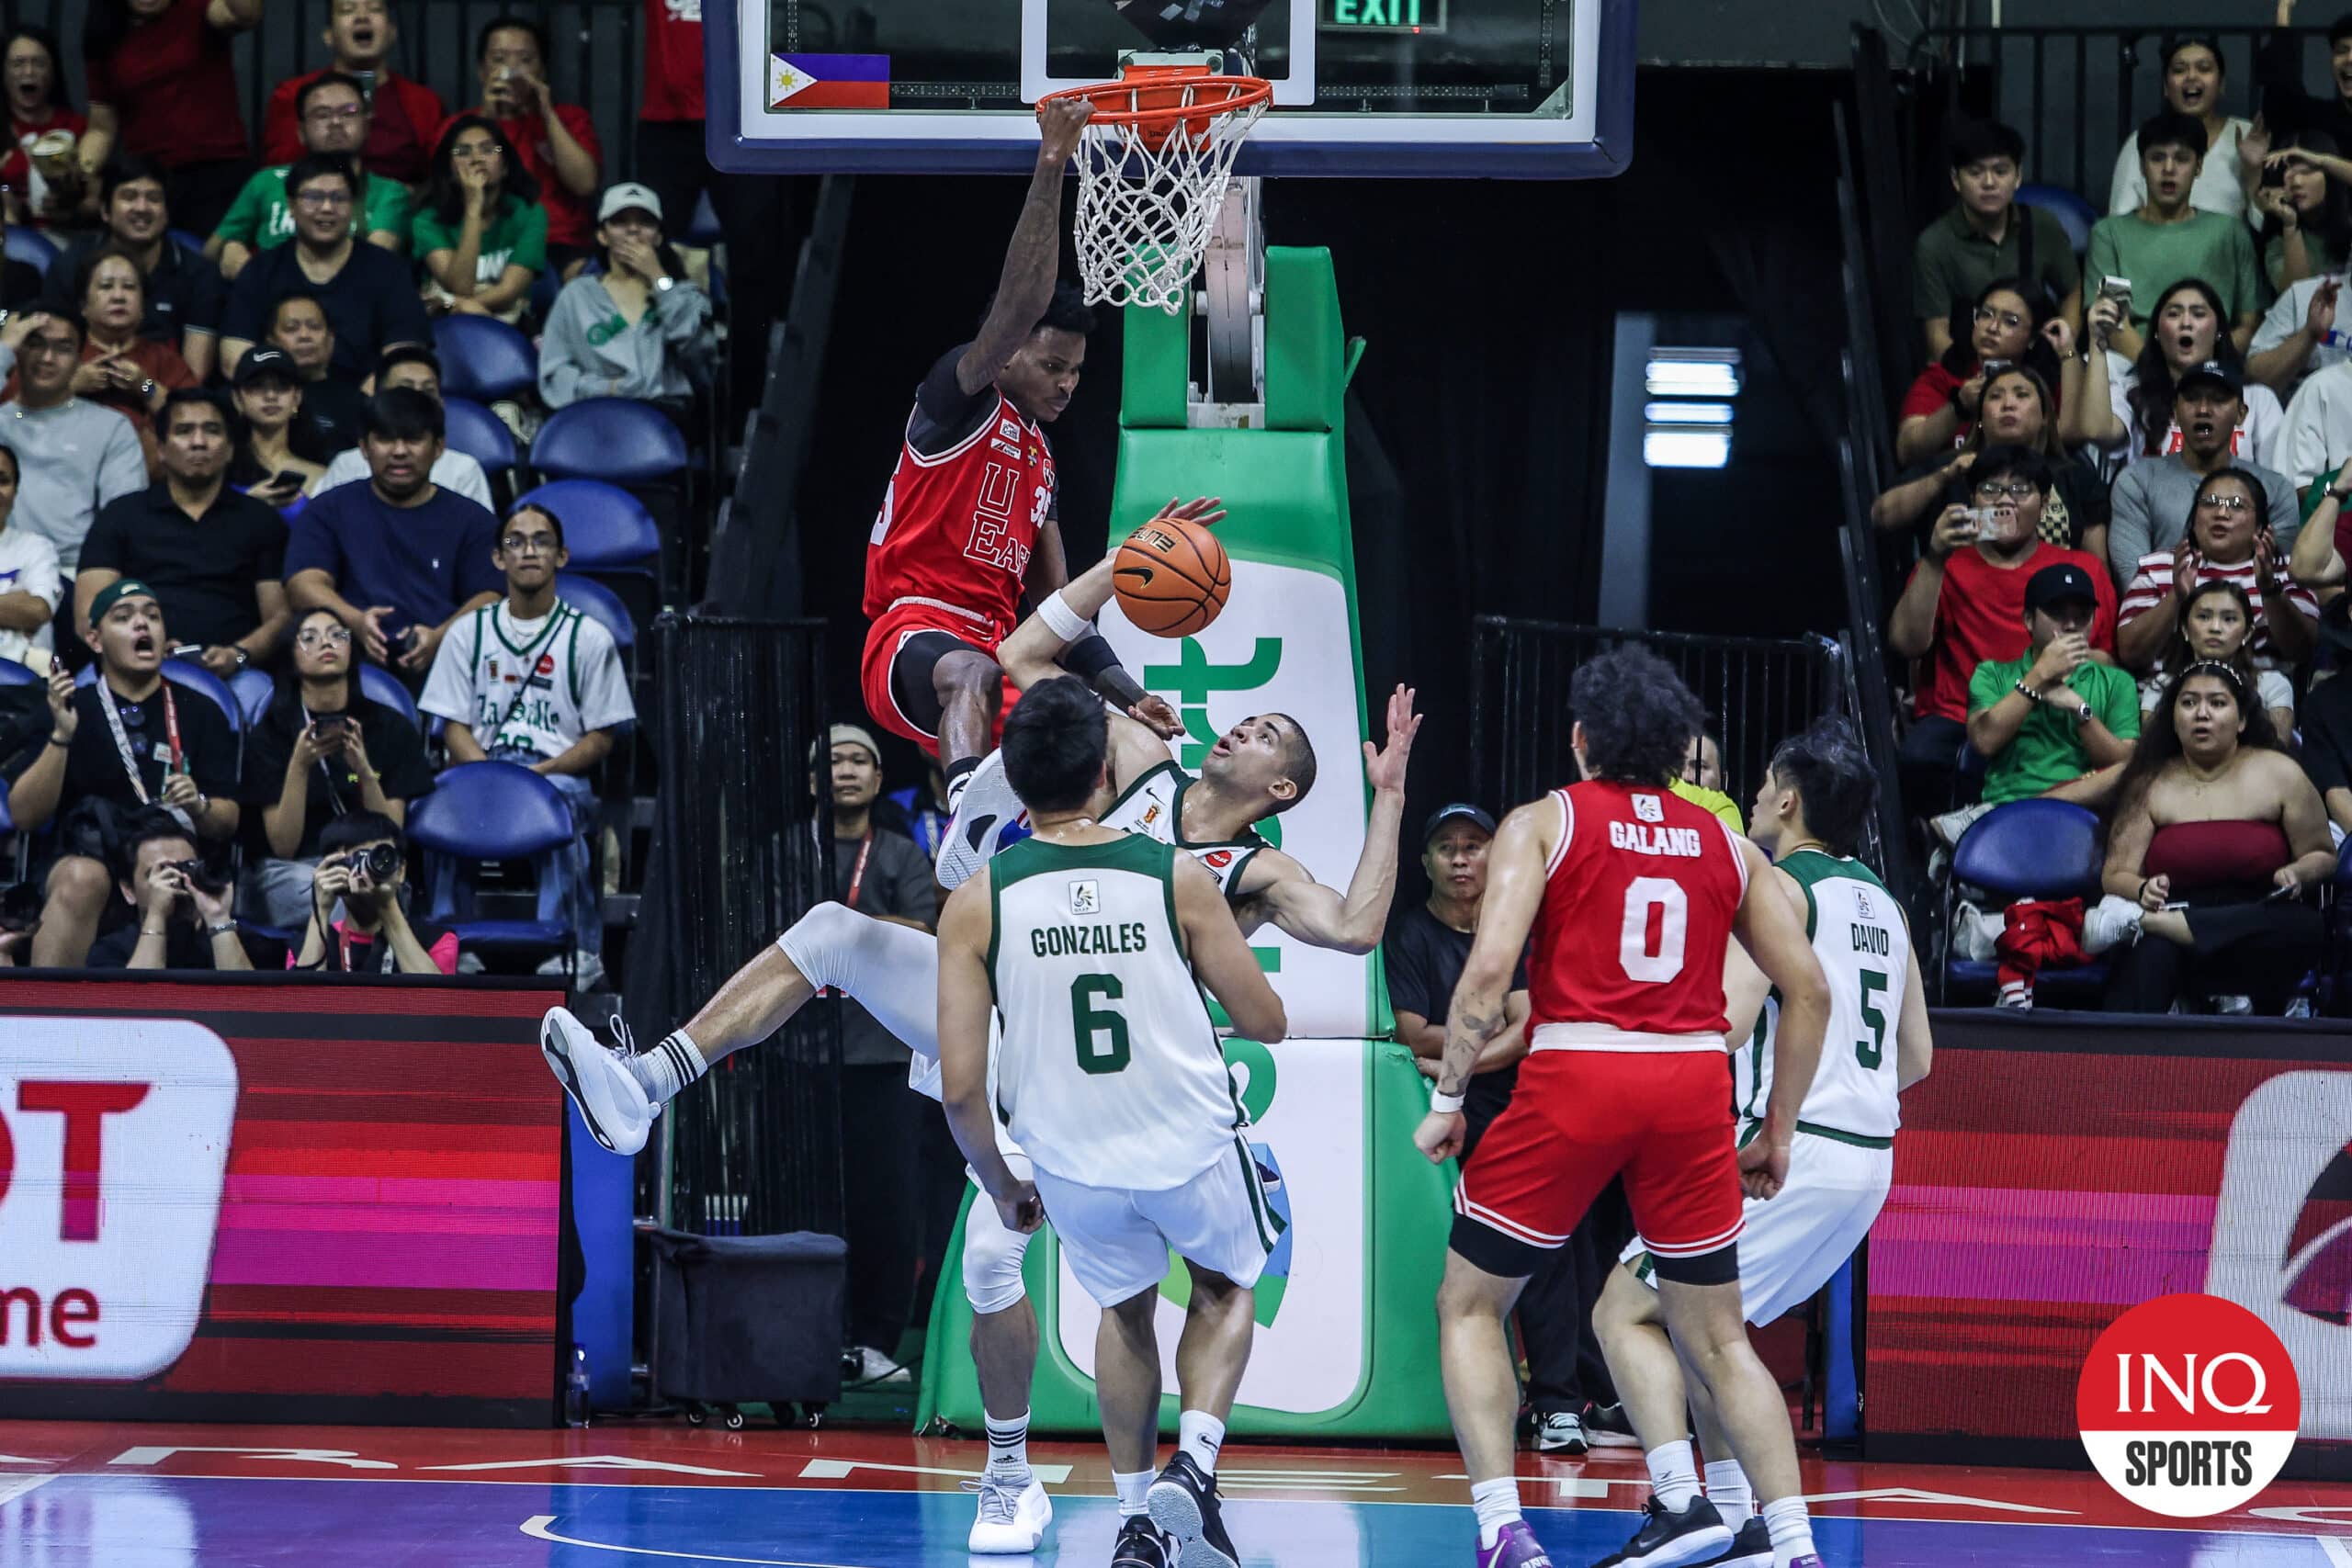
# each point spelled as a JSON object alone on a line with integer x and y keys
{"x": 207, "y": 293}
{"x": 530, "y": 252}
{"x": 428, "y": 233}
{"x": 475, "y": 572}
{"x": 389, "y": 208}
{"x": 102, "y": 546}
{"x": 2128, "y": 526}
{"x": 2128, "y": 191}
{"x": 944, "y": 405}
{"x": 401, "y": 316}
{"x": 1409, "y": 976}
{"x": 2121, "y": 711}
{"x": 248, "y": 302}
{"x": 683, "y": 313}
{"x": 262, "y": 774}
{"x": 910, "y": 881}
{"x": 2100, "y": 260}
{"x": 41, "y": 575}
{"x": 564, "y": 354}
{"x": 1930, "y": 290}
{"x": 2286, "y": 313}
{"x": 269, "y": 552}
{"x": 1987, "y": 686}
{"x": 603, "y": 688}
{"x": 242, "y": 220}
{"x": 449, "y": 689}
{"x": 2286, "y": 512}
{"x": 2248, "y": 269}
{"x": 281, "y": 132}
{"x": 310, "y": 544}
{"x": 1923, "y": 398}
{"x": 123, "y": 469}
{"x": 2056, "y": 254}
{"x": 470, "y": 480}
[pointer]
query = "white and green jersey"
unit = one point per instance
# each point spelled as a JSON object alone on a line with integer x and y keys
{"x": 1153, "y": 806}
{"x": 1108, "y": 1073}
{"x": 1864, "y": 945}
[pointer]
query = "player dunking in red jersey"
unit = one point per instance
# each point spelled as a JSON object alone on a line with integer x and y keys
{"x": 969, "y": 518}
{"x": 1632, "y": 895}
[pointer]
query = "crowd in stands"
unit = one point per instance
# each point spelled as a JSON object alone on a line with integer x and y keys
{"x": 227, "y": 483}
{"x": 2122, "y": 472}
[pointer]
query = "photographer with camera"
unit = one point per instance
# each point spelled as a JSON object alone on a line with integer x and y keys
{"x": 184, "y": 920}
{"x": 359, "y": 924}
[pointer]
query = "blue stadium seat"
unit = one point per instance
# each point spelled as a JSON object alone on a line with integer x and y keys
{"x": 379, "y": 684}
{"x": 616, "y": 439}
{"x": 2031, "y": 849}
{"x": 192, "y": 243}
{"x": 12, "y": 673}
{"x": 480, "y": 435}
{"x": 604, "y": 528}
{"x": 254, "y": 689}
{"x": 483, "y": 358}
{"x": 32, "y": 247}
{"x": 494, "y": 811}
{"x": 2073, "y": 214}
{"x": 600, "y": 604}
{"x": 196, "y": 677}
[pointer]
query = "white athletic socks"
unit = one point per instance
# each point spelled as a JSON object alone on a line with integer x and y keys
{"x": 1496, "y": 1503}
{"x": 669, "y": 1066}
{"x": 1009, "y": 1443}
{"x": 1791, "y": 1531}
{"x": 1200, "y": 1434}
{"x": 1674, "y": 1474}
{"x": 1728, "y": 1490}
{"x": 1133, "y": 1491}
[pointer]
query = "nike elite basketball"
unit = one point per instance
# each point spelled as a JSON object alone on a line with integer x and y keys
{"x": 1173, "y": 577}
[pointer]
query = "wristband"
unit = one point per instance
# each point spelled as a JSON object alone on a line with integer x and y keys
{"x": 2028, "y": 693}
{"x": 1064, "y": 622}
{"x": 226, "y": 927}
{"x": 1444, "y": 1104}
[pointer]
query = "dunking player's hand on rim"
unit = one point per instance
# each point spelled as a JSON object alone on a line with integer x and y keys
{"x": 1154, "y": 712}
{"x": 1058, "y": 124}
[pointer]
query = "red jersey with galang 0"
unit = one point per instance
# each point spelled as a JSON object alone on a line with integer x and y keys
{"x": 956, "y": 528}
{"x": 1638, "y": 904}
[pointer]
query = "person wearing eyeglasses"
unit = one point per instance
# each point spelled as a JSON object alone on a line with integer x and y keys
{"x": 534, "y": 681}
{"x": 2014, "y": 325}
{"x": 334, "y": 116}
{"x": 364, "y": 290}
{"x": 2149, "y": 507}
{"x": 2226, "y": 537}
{"x": 402, "y": 115}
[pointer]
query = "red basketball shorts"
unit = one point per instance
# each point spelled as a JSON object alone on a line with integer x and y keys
{"x": 1577, "y": 1117}
{"x": 902, "y": 647}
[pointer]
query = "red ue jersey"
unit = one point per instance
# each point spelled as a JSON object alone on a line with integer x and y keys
{"x": 957, "y": 526}
{"x": 1638, "y": 904}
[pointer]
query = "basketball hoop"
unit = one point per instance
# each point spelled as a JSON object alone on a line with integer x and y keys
{"x": 1152, "y": 167}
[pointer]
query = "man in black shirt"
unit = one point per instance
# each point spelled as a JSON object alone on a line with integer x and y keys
{"x": 128, "y": 739}
{"x": 184, "y": 294}
{"x": 214, "y": 555}
{"x": 1424, "y": 955}
{"x": 183, "y": 920}
{"x": 364, "y": 290}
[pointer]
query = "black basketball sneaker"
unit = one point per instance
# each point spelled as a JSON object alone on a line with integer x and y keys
{"x": 1139, "y": 1545}
{"x": 1183, "y": 1505}
{"x": 1671, "y": 1539}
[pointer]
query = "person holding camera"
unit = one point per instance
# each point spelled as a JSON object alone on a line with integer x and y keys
{"x": 359, "y": 924}
{"x": 320, "y": 751}
{"x": 184, "y": 920}
{"x": 129, "y": 739}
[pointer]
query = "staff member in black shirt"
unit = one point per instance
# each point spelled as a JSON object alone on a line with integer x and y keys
{"x": 129, "y": 739}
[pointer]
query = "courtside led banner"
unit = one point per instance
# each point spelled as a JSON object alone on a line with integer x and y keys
{"x": 266, "y": 1200}
{"x": 2055, "y": 1173}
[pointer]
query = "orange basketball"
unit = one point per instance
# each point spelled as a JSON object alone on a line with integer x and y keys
{"x": 1173, "y": 577}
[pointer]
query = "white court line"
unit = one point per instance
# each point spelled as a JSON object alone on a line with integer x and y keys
{"x": 15, "y": 1486}
{"x": 536, "y": 1528}
{"x": 2338, "y": 1550}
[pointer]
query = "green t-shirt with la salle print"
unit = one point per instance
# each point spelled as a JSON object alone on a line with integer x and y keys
{"x": 517, "y": 235}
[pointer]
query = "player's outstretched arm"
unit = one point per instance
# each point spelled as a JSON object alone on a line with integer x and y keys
{"x": 966, "y": 1002}
{"x": 1480, "y": 1008}
{"x": 1222, "y": 959}
{"x": 1305, "y": 909}
{"x": 1773, "y": 934}
{"x": 1026, "y": 286}
{"x": 1913, "y": 1044}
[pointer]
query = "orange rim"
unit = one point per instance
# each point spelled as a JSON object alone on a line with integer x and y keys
{"x": 1157, "y": 97}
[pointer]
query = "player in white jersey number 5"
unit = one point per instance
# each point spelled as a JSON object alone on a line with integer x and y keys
{"x": 1809, "y": 814}
{"x": 1085, "y": 941}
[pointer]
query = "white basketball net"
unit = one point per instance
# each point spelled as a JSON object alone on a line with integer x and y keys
{"x": 1145, "y": 213}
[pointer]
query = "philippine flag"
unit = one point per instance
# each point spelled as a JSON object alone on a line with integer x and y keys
{"x": 828, "y": 81}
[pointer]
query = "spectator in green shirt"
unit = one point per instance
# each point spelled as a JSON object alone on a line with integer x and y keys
{"x": 2054, "y": 714}
{"x": 2167, "y": 240}
{"x": 332, "y": 116}
{"x": 1986, "y": 235}
{"x": 479, "y": 228}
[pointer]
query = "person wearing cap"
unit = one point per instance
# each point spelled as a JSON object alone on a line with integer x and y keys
{"x": 2224, "y": 537}
{"x": 2165, "y": 239}
{"x": 534, "y": 681}
{"x": 1965, "y": 604}
{"x": 128, "y": 740}
{"x": 265, "y": 464}
{"x": 364, "y": 290}
{"x": 880, "y": 873}
{"x": 214, "y": 556}
{"x": 2149, "y": 506}
{"x": 414, "y": 366}
{"x": 76, "y": 456}
{"x": 2053, "y": 714}
{"x": 2195, "y": 80}
{"x": 631, "y": 324}
{"x": 332, "y": 112}
{"x": 556, "y": 144}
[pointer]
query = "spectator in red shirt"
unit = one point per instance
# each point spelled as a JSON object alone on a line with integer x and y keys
{"x": 163, "y": 85}
{"x": 557, "y": 142}
{"x": 2012, "y": 319}
{"x": 404, "y": 115}
{"x": 37, "y": 107}
{"x": 1965, "y": 604}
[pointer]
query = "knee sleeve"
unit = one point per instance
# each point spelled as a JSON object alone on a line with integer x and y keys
{"x": 992, "y": 1255}
{"x": 892, "y": 970}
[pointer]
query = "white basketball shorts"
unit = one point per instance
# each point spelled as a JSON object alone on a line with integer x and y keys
{"x": 1118, "y": 1239}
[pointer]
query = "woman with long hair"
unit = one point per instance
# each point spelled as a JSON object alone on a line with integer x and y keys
{"x": 2216, "y": 623}
{"x": 632, "y": 325}
{"x": 478, "y": 229}
{"x": 2013, "y": 325}
{"x": 320, "y": 752}
{"x": 2018, "y": 409}
{"x": 2215, "y": 836}
{"x": 2307, "y": 207}
{"x": 32, "y": 73}
{"x": 163, "y": 85}
{"x": 2125, "y": 408}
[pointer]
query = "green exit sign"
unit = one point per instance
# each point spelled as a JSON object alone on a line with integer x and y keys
{"x": 1385, "y": 15}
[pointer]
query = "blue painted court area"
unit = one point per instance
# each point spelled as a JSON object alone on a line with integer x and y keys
{"x": 160, "y": 1522}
